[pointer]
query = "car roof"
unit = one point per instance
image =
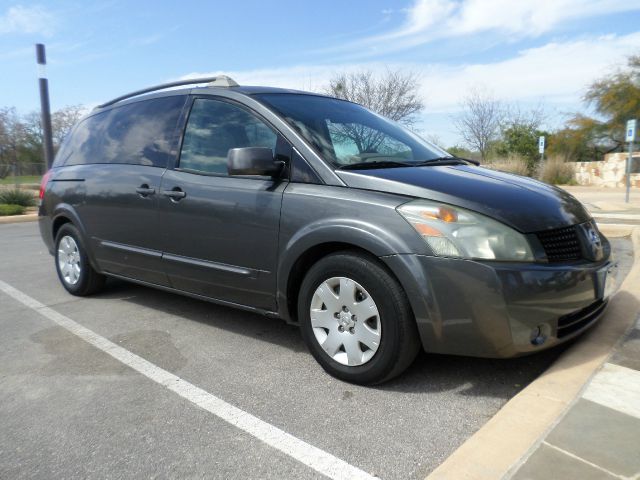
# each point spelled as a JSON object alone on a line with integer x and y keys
{"x": 256, "y": 89}
{"x": 248, "y": 90}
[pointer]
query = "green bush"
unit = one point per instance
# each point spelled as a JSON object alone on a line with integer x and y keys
{"x": 8, "y": 209}
{"x": 18, "y": 197}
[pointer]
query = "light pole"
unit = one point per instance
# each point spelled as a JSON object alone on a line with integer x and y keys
{"x": 43, "y": 83}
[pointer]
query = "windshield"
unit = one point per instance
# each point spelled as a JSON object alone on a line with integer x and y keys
{"x": 345, "y": 133}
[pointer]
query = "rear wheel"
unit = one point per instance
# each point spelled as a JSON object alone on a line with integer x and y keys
{"x": 356, "y": 319}
{"x": 72, "y": 264}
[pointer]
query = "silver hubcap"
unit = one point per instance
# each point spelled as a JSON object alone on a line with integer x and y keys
{"x": 69, "y": 260}
{"x": 345, "y": 321}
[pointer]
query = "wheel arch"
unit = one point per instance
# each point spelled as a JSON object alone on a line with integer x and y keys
{"x": 64, "y": 214}
{"x": 301, "y": 254}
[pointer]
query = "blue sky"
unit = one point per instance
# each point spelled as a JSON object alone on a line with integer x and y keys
{"x": 525, "y": 52}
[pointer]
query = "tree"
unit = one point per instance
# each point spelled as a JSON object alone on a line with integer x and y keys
{"x": 12, "y": 136}
{"x": 63, "y": 120}
{"x": 480, "y": 120}
{"x": 393, "y": 94}
{"x": 21, "y": 136}
{"x": 462, "y": 152}
{"x": 520, "y": 131}
{"x": 617, "y": 99}
{"x": 575, "y": 142}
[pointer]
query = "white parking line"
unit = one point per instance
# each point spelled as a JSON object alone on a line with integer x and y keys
{"x": 311, "y": 456}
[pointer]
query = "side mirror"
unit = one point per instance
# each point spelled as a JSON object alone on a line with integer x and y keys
{"x": 252, "y": 161}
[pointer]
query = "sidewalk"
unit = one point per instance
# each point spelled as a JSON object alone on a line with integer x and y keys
{"x": 599, "y": 437}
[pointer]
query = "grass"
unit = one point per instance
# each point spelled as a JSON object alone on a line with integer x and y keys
{"x": 511, "y": 164}
{"x": 20, "y": 179}
{"x": 556, "y": 171}
{"x": 9, "y": 209}
{"x": 24, "y": 198}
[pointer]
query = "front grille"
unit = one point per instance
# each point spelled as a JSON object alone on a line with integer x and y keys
{"x": 575, "y": 321}
{"x": 561, "y": 244}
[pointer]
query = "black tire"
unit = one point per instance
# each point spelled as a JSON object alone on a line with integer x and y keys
{"x": 399, "y": 342}
{"x": 89, "y": 281}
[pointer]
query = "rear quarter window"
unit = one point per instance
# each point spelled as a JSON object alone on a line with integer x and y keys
{"x": 140, "y": 133}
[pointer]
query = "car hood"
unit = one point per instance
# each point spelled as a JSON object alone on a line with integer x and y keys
{"x": 520, "y": 202}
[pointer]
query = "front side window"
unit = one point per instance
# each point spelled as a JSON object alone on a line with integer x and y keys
{"x": 345, "y": 133}
{"x": 215, "y": 127}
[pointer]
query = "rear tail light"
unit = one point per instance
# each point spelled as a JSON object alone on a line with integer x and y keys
{"x": 43, "y": 183}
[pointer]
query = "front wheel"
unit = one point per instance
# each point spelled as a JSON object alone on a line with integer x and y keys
{"x": 356, "y": 319}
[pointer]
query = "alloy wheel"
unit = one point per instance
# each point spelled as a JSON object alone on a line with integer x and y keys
{"x": 345, "y": 321}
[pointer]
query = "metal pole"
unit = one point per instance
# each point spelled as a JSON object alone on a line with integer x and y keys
{"x": 629, "y": 160}
{"x": 43, "y": 83}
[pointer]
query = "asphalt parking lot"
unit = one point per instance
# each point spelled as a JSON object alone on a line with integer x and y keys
{"x": 70, "y": 410}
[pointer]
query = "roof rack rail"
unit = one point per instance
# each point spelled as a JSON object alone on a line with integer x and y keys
{"x": 218, "y": 81}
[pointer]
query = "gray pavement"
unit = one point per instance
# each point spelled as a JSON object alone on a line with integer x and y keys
{"x": 608, "y": 205}
{"x": 68, "y": 410}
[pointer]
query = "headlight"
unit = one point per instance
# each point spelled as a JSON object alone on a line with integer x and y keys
{"x": 456, "y": 232}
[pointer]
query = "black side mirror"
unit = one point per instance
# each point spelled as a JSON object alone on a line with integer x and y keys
{"x": 252, "y": 161}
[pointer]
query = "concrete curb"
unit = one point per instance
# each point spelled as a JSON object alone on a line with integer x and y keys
{"x": 29, "y": 217}
{"x": 498, "y": 448}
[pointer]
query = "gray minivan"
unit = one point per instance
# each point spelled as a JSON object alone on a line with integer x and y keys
{"x": 318, "y": 211}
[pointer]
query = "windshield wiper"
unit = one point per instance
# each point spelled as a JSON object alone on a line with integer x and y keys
{"x": 433, "y": 162}
{"x": 446, "y": 161}
{"x": 377, "y": 164}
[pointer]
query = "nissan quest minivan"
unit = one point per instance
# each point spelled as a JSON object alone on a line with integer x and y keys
{"x": 320, "y": 212}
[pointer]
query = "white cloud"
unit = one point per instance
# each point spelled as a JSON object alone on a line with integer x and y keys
{"x": 27, "y": 20}
{"x": 429, "y": 20}
{"x": 555, "y": 74}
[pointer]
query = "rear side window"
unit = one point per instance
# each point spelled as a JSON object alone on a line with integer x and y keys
{"x": 141, "y": 133}
{"x": 215, "y": 127}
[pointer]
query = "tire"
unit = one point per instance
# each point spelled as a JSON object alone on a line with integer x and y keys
{"x": 375, "y": 338}
{"x": 72, "y": 264}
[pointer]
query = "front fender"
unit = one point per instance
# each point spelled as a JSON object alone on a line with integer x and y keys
{"x": 344, "y": 216}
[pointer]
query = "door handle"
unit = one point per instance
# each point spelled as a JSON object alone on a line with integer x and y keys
{"x": 175, "y": 194}
{"x": 144, "y": 190}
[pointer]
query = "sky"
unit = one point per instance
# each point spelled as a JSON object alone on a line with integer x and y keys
{"x": 529, "y": 53}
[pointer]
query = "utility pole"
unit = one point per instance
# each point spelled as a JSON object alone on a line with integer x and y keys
{"x": 43, "y": 83}
{"x": 630, "y": 137}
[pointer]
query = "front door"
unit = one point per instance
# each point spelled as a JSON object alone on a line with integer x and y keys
{"x": 221, "y": 232}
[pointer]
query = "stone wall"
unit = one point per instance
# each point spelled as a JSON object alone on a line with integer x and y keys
{"x": 611, "y": 172}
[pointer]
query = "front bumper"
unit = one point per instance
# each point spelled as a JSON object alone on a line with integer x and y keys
{"x": 491, "y": 309}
